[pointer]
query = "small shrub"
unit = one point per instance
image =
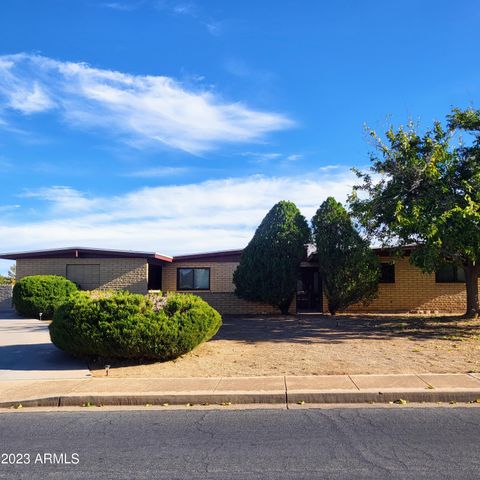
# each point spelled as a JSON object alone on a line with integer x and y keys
{"x": 41, "y": 294}
{"x": 126, "y": 325}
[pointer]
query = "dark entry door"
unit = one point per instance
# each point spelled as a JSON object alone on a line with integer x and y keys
{"x": 309, "y": 290}
{"x": 154, "y": 277}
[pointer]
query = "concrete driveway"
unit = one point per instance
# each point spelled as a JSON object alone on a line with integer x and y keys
{"x": 27, "y": 353}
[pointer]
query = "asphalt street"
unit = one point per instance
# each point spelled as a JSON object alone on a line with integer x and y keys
{"x": 370, "y": 443}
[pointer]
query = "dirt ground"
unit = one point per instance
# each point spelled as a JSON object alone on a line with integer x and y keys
{"x": 324, "y": 345}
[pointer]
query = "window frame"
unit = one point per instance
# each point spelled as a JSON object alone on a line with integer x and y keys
{"x": 193, "y": 288}
{"x": 455, "y": 269}
{"x": 388, "y": 282}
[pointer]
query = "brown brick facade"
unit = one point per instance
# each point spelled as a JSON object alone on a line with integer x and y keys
{"x": 115, "y": 273}
{"x": 220, "y": 296}
{"x": 414, "y": 291}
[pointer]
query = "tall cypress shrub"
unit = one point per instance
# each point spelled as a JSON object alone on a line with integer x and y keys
{"x": 269, "y": 264}
{"x": 348, "y": 267}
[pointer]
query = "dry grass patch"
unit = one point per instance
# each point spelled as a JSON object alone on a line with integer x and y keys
{"x": 319, "y": 345}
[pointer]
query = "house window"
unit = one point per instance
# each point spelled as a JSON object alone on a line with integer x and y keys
{"x": 193, "y": 279}
{"x": 450, "y": 274}
{"x": 387, "y": 273}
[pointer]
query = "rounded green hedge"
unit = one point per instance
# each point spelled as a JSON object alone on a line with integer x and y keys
{"x": 125, "y": 325}
{"x": 41, "y": 294}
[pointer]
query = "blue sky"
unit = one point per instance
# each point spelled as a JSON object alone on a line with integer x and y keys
{"x": 174, "y": 125}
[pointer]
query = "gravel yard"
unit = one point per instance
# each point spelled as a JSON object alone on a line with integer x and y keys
{"x": 319, "y": 345}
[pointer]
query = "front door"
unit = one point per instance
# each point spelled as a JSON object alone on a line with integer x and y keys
{"x": 309, "y": 290}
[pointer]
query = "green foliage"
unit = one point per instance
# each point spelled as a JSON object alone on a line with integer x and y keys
{"x": 9, "y": 279}
{"x": 348, "y": 267}
{"x": 41, "y": 294}
{"x": 125, "y": 325}
{"x": 269, "y": 264}
{"x": 425, "y": 190}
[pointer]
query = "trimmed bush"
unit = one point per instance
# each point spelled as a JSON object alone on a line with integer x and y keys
{"x": 268, "y": 268}
{"x": 41, "y": 294}
{"x": 350, "y": 270}
{"x": 125, "y": 325}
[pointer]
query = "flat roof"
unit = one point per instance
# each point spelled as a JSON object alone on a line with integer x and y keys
{"x": 85, "y": 252}
{"x": 237, "y": 253}
{"x": 218, "y": 255}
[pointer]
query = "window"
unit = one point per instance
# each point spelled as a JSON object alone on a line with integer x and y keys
{"x": 387, "y": 273}
{"x": 87, "y": 277}
{"x": 193, "y": 279}
{"x": 450, "y": 274}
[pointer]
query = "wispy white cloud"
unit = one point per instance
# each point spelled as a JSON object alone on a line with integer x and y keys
{"x": 327, "y": 168}
{"x": 185, "y": 8}
{"x": 8, "y": 208}
{"x": 143, "y": 110}
{"x": 158, "y": 172}
{"x": 125, "y": 6}
{"x": 215, "y": 28}
{"x": 215, "y": 214}
{"x": 295, "y": 157}
{"x": 272, "y": 157}
{"x": 26, "y": 97}
{"x": 175, "y": 8}
{"x": 261, "y": 157}
{"x": 31, "y": 99}
{"x": 192, "y": 9}
{"x": 65, "y": 199}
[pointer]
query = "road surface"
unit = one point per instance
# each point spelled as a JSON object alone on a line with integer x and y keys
{"x": 354, "y": 443}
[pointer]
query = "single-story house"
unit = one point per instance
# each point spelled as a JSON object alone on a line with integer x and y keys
{"x": 403, "y": 287}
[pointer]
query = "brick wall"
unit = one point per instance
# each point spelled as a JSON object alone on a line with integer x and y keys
{"x": 221, "y": 275}
{"x": 220, "y": 296}
{"x": 413, "y": 291}
{"x": 229, "y": 303}
{"x": 5, "y": 297}
{"x": 115, "y": 273}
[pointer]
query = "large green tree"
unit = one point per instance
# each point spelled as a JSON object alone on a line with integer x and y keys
{"x": 269, "y": 264}
{"x": 348, "y": 267}
{"x": 424, "y": 189}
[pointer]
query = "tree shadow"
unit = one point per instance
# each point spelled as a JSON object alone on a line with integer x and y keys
{"x": 38, "y": 356}
{"x": 10, "y": 314}
{"x": 309, "y": 329}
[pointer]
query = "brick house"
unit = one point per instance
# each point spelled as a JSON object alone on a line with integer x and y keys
{"x": 403, "y": 287}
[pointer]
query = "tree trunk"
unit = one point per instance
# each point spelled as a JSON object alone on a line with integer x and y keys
{"x": 472, "y": 272}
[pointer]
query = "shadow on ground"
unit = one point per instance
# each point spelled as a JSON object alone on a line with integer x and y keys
{"x": 323, "y": 328}
{"x": 44, "y": 356}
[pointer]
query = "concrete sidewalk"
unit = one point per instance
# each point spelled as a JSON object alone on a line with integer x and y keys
{"x": 242, "y": 390}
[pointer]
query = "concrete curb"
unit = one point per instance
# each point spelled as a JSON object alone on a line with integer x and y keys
{"x": 327, "y": 397}
{"x": 414, "y": 396}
